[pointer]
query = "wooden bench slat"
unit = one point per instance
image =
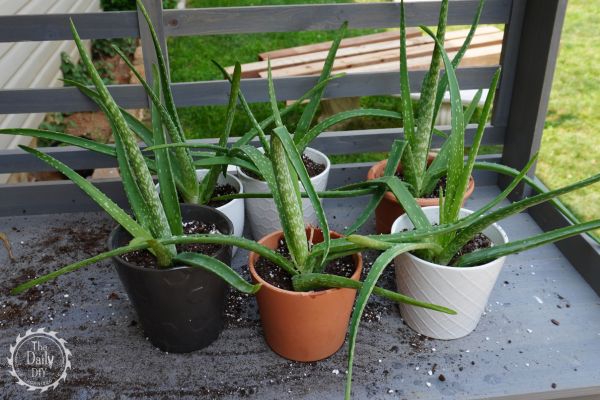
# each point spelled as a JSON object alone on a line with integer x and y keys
{"x": 488, "y": 55}
{"x": 324, "y": 46}
{"x": 453, "y": 43}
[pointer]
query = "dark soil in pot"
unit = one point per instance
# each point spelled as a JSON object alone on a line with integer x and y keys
{"x": 180, "y": 308}
{"x": 278, "y": 277}
{"x": 222, "y": 190}
{"x": 143, "y": 258}
{"x": 435, "y": 194}
{"x": 479, "y": 241}
{"x": 312, "y": 167}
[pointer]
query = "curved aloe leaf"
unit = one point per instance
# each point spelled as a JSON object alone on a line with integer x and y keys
{"x": 398, "y": 148}
{"x": 365, "y": 292}
{"x": 138, "y": 127}
{"x": 503, "y": 169}
{"x": 218, "y": 268}
{"x": 340, "y": 117}
{"x": 207, "y": 186}
{"x": 309, "y": 112}
{"x": 63, "y": 138}
{"x": 100, "y": 198}
{"x": 483, "y": 256}
{"x": 140, "y": 245}
{"x": 312, "y": 281}
{"x": 441, "y": 90}
{"x": 484, "y": 221}
{"x": 249, "y": 135}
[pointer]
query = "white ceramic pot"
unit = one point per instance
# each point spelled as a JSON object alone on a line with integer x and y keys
{"x": 465, "y": 290}
{"x": 262, "y": 213}
{"x": 234, "y": 209}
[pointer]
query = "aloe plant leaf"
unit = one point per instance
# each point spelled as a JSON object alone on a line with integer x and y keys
{"x": 63, "y": 138}
{"x": 314, "y": 281}
{"x": 483, "y": 256}
{"x": 150, "y": 243}
{"x": 159, "y": 224}
{"x": 408, "y": 117}
{"x": 183, "y": 158}
{"x": 398, "y": 148}
{"x": 100, "y": 198}
{"x": 296, "y": 160}
{"x": 218, "y": 268}
{"x": 226, "y": 160}
{"x": 309, "y": 112}
{"x": 455, "y": 159}
{"x": 168, "y": 190}
{"x": 207, "y": 186}
{"x": 250, "y": 134}
{"x": 503, "y": 169}
{"x": 484, "y": 221}
{"x": 137, "y": 126}
{"x": 422, "y": 138}
{"x": 365, "y": 292}
{"x": 339, "y": 117}
{"x": 441, "y": 90}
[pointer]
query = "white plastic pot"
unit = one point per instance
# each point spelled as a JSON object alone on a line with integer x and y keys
{"x": 234, "y": 209}
{"x": 262, "y": 213}
{"x": 465, "y": 290}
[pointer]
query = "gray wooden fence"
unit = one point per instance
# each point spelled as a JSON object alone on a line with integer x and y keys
{"x": 528, "y": 59}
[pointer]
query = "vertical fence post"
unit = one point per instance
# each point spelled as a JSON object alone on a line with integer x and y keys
{"x": 534, "y": 70}
{"x": 154, "y": 8}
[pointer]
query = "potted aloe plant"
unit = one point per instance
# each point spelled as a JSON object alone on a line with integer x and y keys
{"x": 422, "y": 169}
{"x": 470, "y": 247}
{"x": 172, "y": 260}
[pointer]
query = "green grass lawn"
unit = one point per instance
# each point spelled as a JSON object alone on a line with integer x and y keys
{"x": 571, "y": 142}
{"x": 570, "y": 147}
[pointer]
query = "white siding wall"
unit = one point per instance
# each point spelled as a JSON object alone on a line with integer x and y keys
{"x": 34, "y": 64}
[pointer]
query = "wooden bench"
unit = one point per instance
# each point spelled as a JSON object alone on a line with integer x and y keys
{"x": 376, "y": 52}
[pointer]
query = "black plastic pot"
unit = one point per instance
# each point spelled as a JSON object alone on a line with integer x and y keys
{"x": 180, "y": 308}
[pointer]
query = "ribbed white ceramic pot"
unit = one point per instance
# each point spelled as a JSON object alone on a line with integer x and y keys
{"x": 262, "y": 213}
{"x": 234, "y": 209}
{"x": 465, "y": 290}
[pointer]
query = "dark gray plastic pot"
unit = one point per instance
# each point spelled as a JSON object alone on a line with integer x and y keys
{"x": 180, "y": 308}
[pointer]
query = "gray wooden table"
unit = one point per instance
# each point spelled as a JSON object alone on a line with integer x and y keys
{"x": 515, "y": 352}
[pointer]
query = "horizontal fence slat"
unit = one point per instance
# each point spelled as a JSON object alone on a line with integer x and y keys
{"x": 226, "y": 20}
{"x": 69, "y": 99}
{"x": 65, "y": 197}
{"x": 332, "y": 143}
{"x": 42, "y": 27}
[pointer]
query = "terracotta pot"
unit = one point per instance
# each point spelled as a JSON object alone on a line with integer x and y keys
{"x": 389, "y": 209}
{"x": 303, "y": 326}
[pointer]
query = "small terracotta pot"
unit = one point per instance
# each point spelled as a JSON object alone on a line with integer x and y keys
{"x": 389, "y": 209}
{"x": 303, "y": 326}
